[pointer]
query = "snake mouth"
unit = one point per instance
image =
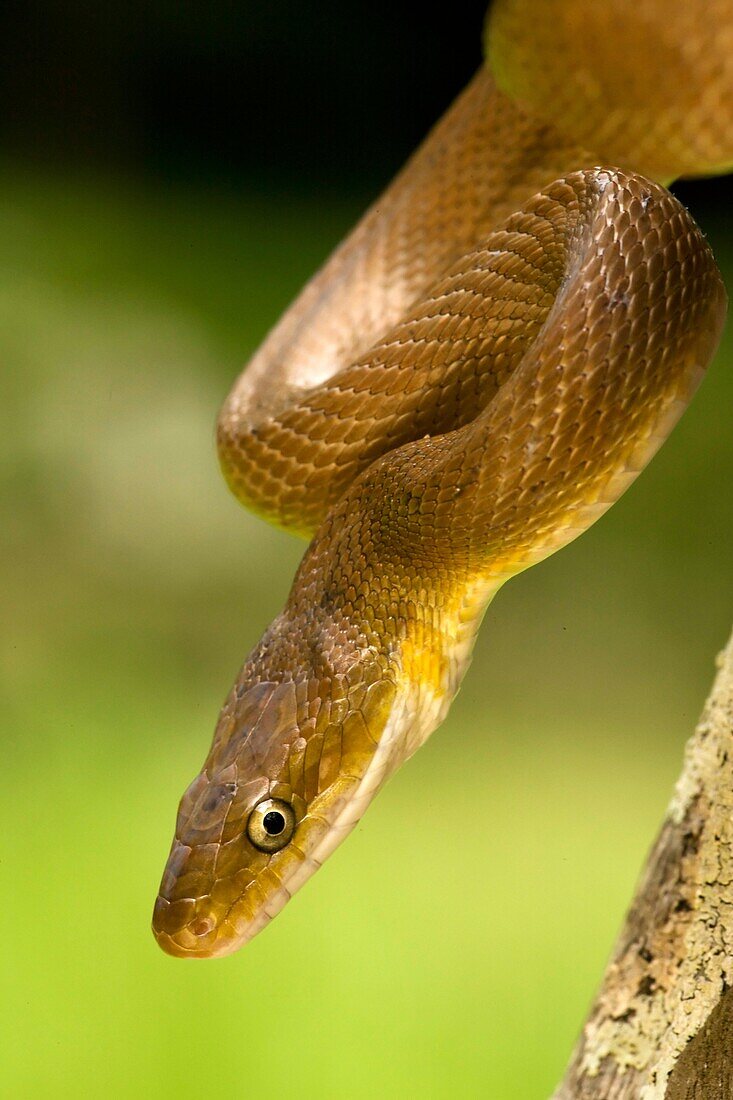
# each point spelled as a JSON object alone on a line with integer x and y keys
{"x": 186, "y": 930}
{"x": 213, "y": 901}
{"x": 227, "y": 875}
{"x": 190, "y": 941}
{"x": 195, "y": 919}
{"x": 208, "y": 906}
{"x": 181, "y": 930}
{"x": 217, "y": 923}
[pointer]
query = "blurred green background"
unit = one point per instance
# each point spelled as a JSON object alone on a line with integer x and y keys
{"x": 135, "y": 278}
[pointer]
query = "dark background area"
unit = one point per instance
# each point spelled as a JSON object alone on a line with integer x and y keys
{"x": 319, "y": 96}
{"x": 325, "y": 90}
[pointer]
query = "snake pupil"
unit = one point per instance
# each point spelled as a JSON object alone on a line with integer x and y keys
{"x": 273, "y": 823}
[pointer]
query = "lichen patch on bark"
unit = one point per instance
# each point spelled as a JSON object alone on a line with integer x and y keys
{"x": 673, "y": 961}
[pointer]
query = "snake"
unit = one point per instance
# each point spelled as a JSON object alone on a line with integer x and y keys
{"x": 476, "y": 374}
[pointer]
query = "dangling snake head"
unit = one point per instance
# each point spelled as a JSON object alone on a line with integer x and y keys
{"x": 297, "y": 754}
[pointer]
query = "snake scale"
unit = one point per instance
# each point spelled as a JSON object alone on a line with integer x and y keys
{"x": 473, "y": 378}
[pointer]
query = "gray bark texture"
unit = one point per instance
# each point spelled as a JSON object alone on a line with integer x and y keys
{"x": 661, "y": 1026}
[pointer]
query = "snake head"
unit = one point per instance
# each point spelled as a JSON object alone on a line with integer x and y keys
{"x": 291, "y": 769}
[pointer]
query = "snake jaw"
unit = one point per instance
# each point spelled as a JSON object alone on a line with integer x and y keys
{"x": 323, "y": 746}
{"x": 239, "y": 900}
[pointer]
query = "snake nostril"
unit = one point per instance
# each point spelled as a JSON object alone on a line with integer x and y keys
{"x": 202, "y": 926}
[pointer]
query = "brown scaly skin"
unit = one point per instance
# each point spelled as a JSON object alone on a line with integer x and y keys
{"x": 445, "y": 404}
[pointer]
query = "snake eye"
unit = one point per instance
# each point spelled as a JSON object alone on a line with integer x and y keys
{"x": 271, "y": 824}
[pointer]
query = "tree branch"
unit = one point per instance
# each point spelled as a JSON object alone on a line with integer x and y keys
{"x": 661, "y": 1027}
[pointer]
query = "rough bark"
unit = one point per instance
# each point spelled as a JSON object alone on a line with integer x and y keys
{"x": 661, "y": 1026}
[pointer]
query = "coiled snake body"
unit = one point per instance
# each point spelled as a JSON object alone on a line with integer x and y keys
{"x": 473, "y": 378}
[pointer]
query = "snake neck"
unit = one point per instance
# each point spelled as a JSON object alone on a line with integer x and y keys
{"x": 360, "y": 634}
